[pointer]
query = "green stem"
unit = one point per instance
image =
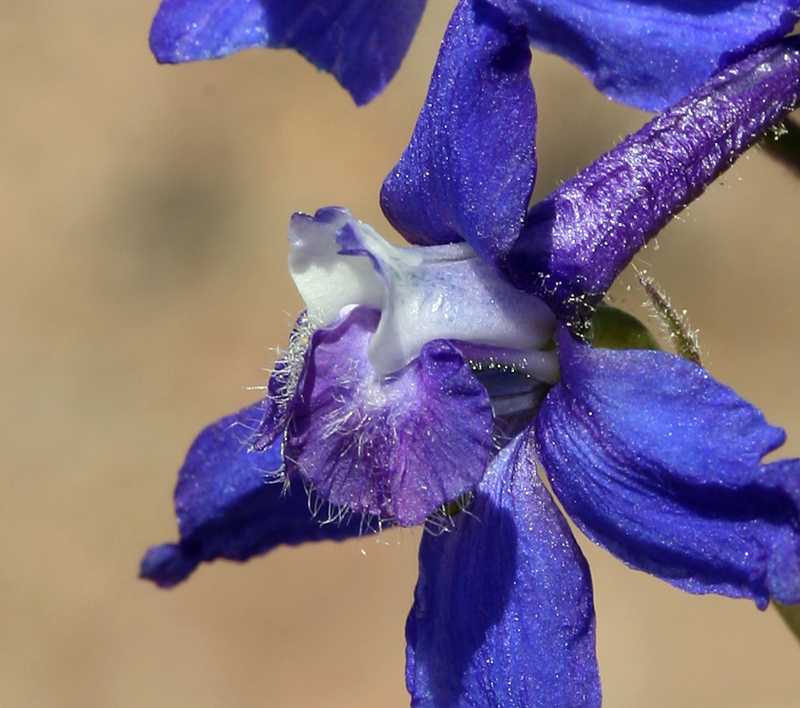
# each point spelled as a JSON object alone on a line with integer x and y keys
{"x": 684, "y": 339}
{"x": 791, "y": 615}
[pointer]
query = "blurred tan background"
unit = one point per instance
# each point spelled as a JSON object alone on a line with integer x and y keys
{"x": 143, "y": 286}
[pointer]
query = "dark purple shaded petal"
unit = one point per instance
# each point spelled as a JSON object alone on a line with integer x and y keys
{"x": 503, "y": 611}
{"x": 360, "y": 42}
{"x": 651, "y": 54}
{"x": 661, "y": 465}
{"x": 468, "y": 172}
{"x": 577, "y": 240}
{"x": 397, "y": 447}
{"x": 231, "y": 501}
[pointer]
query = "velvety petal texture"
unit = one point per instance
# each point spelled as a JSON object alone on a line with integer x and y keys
{"x": 652, "y": 54}
{"x": 502, "y": 612}
{"x": 397, "y": 447}
{"x": 661, "y": 465}
{"x": 577, "y": 240}
{"x": 231, "y": 501}
{"x": 452, "y": 183}
{"x": 360, "y": 42}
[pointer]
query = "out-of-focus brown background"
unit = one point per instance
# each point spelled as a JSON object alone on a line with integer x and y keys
{"x": 143, "y": 286}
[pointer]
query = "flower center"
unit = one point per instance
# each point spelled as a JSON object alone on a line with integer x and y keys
{"x": 424, "y": 293}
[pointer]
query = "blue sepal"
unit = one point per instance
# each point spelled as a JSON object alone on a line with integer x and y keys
{"x": 660, "y": 464}
{"x": 503, "y": 612}
{"x": 360, "y": 42}
{"x": 468, "y": 171}
{"x": 232, "y": 502}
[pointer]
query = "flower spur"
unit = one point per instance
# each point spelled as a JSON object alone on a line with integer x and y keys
{"x": 649, "y": 455}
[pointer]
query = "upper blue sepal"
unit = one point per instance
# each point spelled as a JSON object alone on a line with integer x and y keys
{"x": 360, "y": 42}
{"x": 660, "y": 464}
{"x": 231, "y": 501}
{"x": 452, "y": 183}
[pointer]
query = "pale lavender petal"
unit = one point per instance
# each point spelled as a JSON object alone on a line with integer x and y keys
{"x": 398, "y": 446}
{"x": 423, "y": 292}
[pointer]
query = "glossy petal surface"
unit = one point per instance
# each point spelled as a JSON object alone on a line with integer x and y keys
{"x": 397, "y": 447}
{"x": 503, "y": 611}
{"x": 360, "y": 42}
{"x": 577, "y": 240}
{"x": 231, "y": 503}
{"x": 651, "y": 54}
{"x": 452, "y": 183}
{"x": 661, "y": 465}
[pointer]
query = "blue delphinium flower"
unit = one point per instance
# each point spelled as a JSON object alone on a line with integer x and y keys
{"x": 639, "y": 52}
{"x": 420, "y": 382}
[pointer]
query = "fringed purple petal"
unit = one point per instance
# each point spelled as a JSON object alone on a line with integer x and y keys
{"x": 232, "y": 503}
{"x": 503, "y": 611}
{"x": 360, "y": 42}
{"x": 398, "y": 446}
{"x": 577, "y": 240}
{"x": 651, "y": 54}
{"x": 661, "y": 465}
{"x": 468, "y": 172}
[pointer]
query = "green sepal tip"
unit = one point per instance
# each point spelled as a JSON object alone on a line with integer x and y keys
{"x": 683, "y": 338}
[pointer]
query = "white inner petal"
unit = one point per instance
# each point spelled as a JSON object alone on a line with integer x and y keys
{"x": 423, "y": 292}
{"x": 327, "y": 280}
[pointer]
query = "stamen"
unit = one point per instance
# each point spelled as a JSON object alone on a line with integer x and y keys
{"x": 290, "y": 366}
{"x": 516, "y": 381}
{"x": 539, "y": 365}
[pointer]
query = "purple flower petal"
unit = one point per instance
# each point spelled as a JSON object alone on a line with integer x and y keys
{"x": 398, "y": 446}
{"x": 231, "y": 501}
{"x": 661, "y": 465}
{"x": 468, "y": 172}
{"x": 360, "y": 42}
{"x": 577, "y": 240}
{"x": 651, "y": 54}
{"x": 503, "y": 611}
